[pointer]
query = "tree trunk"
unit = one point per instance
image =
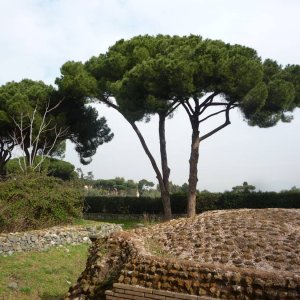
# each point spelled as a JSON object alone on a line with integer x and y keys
{"x": 2, "y": 168}
{"x": 193, "y": 179}
{"x": 28, "y": 158}
{"x": 165, "y": 194}
{"x": 6, "y": 148}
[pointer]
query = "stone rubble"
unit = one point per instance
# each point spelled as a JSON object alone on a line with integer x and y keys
{"x": 42, "y": 240}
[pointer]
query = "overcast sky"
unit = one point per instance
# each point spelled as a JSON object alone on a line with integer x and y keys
{"x": 38, "y": 36}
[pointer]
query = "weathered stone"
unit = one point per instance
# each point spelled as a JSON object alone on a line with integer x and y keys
{"x": 40, "y": 240}
{"x": 144, "y": 269}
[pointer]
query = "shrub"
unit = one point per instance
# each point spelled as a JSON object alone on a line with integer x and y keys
{"x": 38, "y": 201}
{"x": 51, "y": 166}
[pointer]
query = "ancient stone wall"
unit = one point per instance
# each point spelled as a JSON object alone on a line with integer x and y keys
{"x": 125, "y": 291}
{"x": 208, "y": 280}
{"x": 128, "y": 262}
{"x": 39, "y": 240}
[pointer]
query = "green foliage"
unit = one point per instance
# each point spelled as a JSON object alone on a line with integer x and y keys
{"x": 123, "y": 205}
{"x": 117, "y": 186}
{"x": 146, "y": 73}
{"x": 149, "y": 75}
{"x": 27, "y": 101}
{"x": 37, "y": 201}
{"x": 50, "y": 166}
{"x": 42, "y": 275}
{"x": 144, "y": 184}
{"x": 205, "y": 201}
{"x": 61, "y": 169}
{"x": 245, "y": 188}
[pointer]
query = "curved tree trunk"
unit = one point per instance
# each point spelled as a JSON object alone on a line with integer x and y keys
{"x": 6, "y": 147}
{"x": 163, "y": 180}
{"x": 165, "y": 193}
{"x": 193, "y": 178}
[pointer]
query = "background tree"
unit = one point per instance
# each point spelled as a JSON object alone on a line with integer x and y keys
{"x": 143, "y": 185}
{"x": 33, "y": 115}
{"x": 117, "y": 186}
{"x": 244, "y": 188}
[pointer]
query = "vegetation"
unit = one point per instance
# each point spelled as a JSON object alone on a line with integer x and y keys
{"x": 37, "y": 201}
{"x": 154, "y": 75}
{"x": 36, "y": 278}
{"x": 38, "y": 119}
{"x": 245, "y": 188}
{"x": 50, "y": 166}
{"x": 205, "y": 201}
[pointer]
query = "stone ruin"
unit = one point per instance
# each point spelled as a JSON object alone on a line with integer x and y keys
{"x": 240, "y": 254}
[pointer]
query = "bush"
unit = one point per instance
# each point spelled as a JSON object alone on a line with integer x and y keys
{"x": 123, "y": 205}
{"x": 37, "y": 201}
{"x": 51, "y": 166}
{"x": 205, "y": 201}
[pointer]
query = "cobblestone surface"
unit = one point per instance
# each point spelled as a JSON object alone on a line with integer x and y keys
{"x": 266, "y": 239}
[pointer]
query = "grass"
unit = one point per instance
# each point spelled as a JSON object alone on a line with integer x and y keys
{"x": 41, "y": 275}
{"x": 47, "y": 275}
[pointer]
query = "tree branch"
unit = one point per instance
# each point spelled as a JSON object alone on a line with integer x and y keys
{"x": 206, "y": 103}
{"x": 173, "y": 108}
{"x": 106, "y": 101}
{"x": 226, "y": 123}
{"x": 214, "y": 114}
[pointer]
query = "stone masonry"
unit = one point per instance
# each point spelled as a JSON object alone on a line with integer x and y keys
{"x": 166, "y": 258}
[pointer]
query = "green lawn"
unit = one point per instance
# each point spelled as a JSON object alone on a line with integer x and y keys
{"x": 46, "y": 275}
{"x": 41, "y": 275}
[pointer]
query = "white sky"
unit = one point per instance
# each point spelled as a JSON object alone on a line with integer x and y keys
{"x": 38, "y": 36}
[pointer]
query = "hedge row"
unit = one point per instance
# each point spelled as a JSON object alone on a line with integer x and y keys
{"x": 205, "y": 201}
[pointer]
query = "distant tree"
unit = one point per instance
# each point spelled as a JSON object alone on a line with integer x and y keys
{"x": 89, "y": 176}
{"x": 117, "y": 186}
{"x": 293, "y": 189}
{"x": 143, "y": 185}
{"x": 80, "y": 173}
{"x": 185, "y": 188}
{"x": 245, "y": 188}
